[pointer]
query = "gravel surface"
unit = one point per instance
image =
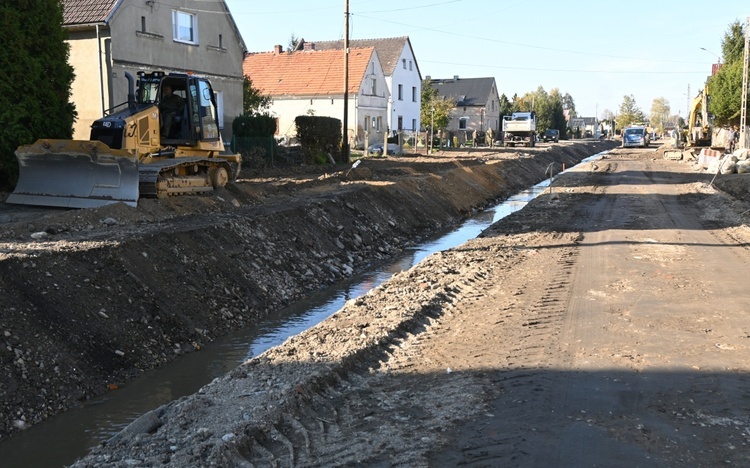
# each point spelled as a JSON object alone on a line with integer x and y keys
{"x": 604, "y": 324}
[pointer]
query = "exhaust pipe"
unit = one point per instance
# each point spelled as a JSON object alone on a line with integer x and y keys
{"x": 131, "y": 91}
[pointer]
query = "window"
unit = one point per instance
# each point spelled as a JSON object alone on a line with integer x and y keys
{"x": 143, "y": 24}
{"x": 413, "y": 94}
{"x": 413, "y": 125}
{"x": 367, "y": 123}
{"x": 184, "y": 27}
{"x": 400, "y": 92}
{"x": 462, "y": 123}
{"x": 410, "y": 65}
{"x": 380, "y": 123}
{"x": 221, "y": 42}
{"x": 403, "y": 62}
{"x": 373, "y": 87}
{"x": 400, "y": 123}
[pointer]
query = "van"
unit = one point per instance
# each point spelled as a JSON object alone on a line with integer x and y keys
{"x": 635, "y": 137}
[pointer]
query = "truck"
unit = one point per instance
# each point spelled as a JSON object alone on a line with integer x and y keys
{"x": 519, "y": 128}
{"x": 133, "y": 151}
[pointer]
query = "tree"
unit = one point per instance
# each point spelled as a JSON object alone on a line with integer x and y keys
{"x": 506, "y": 108}
{"x": 253, "y": 102}
{"x": 556, "y": 111}
{"x": 293, "y": 43}
{"x": 569, "y": 105}
{"x": 659, "y": 114}
{"x": 629, "y": 112}
{"x": 435, "y": 109}
{"x": 725, "y": 87}
{"x": 36, "y": 86}
{"x": 733, "y": 44}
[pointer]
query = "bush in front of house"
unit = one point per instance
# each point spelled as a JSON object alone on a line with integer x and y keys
{"x": 319, "y": 136}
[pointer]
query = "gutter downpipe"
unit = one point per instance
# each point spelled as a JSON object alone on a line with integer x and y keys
{"x": 101, "y": 73}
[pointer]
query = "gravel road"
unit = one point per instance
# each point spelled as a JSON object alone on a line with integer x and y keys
{"x": 605, "y": 324}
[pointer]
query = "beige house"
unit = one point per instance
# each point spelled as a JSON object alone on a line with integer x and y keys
{"x": 311, "y": 82}
{"x": 477, "y": 105}
{"x": 110, "y": 37}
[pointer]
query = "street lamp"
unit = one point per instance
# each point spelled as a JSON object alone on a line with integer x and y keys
{"x": 717, "y": 56}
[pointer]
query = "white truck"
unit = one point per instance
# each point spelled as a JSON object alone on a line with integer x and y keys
{"x": 519, "y": 128}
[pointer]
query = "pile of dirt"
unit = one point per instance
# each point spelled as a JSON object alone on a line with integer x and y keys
{"x": 92, "y": 298}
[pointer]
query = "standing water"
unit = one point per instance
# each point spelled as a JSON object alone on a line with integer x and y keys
{"x": 66, "y": 437}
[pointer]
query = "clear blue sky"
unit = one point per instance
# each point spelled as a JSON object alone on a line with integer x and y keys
{"x": 596, "y": 51}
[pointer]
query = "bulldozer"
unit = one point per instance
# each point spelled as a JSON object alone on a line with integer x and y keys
{"x": 134, "y": 150}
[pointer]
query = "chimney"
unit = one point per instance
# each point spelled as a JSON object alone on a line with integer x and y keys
{"x": 278, "y": 49}
{"x": 455, "y": 77}
{"x": 309, "y": 46}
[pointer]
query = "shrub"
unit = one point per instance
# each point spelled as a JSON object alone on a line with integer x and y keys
{"x": 319, "y": 136}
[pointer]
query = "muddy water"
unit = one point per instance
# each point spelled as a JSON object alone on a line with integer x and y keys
{"x": 66, "y": 437}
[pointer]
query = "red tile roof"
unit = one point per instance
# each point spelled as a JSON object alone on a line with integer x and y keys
{"x": 306, "y": 73}
{"x": 87, "y": 11}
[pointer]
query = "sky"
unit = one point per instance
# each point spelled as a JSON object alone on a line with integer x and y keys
{"x": 596, "y": 51}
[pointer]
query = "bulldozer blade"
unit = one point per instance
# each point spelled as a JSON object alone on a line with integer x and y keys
{"x": 74, "y": 174}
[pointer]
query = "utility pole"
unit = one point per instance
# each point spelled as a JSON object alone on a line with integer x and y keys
{"x": 345, "y": 126}
{"x": 743, "y": 109}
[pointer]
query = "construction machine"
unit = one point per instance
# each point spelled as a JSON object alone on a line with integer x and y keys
{"x": 135, "y": 150}
{"x": 702, "y": 138}
{"x": 698, "y": 131}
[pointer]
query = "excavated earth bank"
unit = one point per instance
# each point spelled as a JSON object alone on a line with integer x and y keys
{"x": 92, "y": 298}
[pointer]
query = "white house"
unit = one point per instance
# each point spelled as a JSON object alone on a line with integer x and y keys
{"x": 311, "y": 82}
{"x": 402, "y": 76}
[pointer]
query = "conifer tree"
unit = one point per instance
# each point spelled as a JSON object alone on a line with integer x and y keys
{"x": 36, "y": 79}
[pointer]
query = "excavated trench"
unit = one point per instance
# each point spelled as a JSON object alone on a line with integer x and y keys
{"x": 71, "y": 435}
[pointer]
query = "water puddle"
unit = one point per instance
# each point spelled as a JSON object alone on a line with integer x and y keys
{"x": 66, "y": 437}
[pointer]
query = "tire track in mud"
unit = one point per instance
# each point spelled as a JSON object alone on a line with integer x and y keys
{"x": 501, "y": 437}
{"x": 396, "y": 410}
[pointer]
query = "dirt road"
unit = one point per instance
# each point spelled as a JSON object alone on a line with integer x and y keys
{"x": 606, "y": 324}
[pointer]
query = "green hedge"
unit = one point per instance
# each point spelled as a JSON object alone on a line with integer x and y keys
{"x": 319, "y": 136}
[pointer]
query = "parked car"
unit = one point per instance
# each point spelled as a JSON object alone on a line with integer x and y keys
{"x": 635, "y": 136}
{"x": 377, "y": 149}
{"x": 551, "y": 135}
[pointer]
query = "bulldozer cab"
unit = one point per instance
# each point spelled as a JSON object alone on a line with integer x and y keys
{"x": 187, "y": 108}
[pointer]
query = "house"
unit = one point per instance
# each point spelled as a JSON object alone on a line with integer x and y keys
{"x": 311, "y": 82}
{"x": 402, "y": 76}
{"x": 109, "y": 37}
{"x": 584, "y": 127}
{"x": 477, "y": 104}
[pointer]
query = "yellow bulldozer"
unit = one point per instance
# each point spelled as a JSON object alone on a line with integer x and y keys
{"x": 137, "y": 149}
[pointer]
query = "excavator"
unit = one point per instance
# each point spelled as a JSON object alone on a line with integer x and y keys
{"x": 131, "y": 153}
{"x": 701, "y": 136}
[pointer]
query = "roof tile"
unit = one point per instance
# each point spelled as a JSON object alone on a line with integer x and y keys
{"x": 306, "y": 73}
{"x": 87, "y": 11}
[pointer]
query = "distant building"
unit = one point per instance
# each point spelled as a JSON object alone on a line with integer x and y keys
{"x": 401, "y": 75}
{"x": 477, "y": 103}
{"x": 311, "y": 82}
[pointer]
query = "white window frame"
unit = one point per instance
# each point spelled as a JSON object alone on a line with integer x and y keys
{"x": 178, "y": 20}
